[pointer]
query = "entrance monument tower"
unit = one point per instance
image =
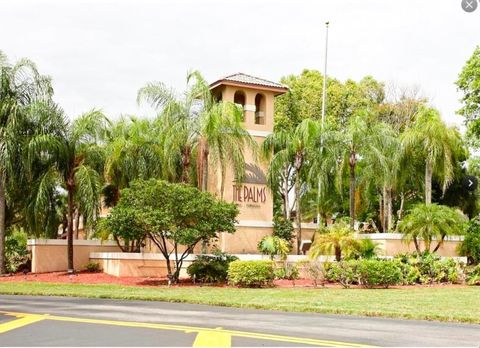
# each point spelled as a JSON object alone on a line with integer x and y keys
{"x": 256, "y": 97}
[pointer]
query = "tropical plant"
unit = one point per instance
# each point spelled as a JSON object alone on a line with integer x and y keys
{"x": 428, "y": 222}
{"x": 290, "y": 150}
{"x": 75, "y": 165}
{"x": 434, "y": 142}
{"x": 336, "y": 239}
{"x": 365, "y": 249}
{"x": 274, "y": 246}
{"x": 133, "y": 151}
{"x": 364, "y": 139}
{"x": 21, "y": 86}
{"x": 197, "y": 125}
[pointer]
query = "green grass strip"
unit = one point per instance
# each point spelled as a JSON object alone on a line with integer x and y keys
{"x": 454, "y": 304}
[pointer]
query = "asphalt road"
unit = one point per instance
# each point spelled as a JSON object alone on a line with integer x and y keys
{"x": 62, "y": 321}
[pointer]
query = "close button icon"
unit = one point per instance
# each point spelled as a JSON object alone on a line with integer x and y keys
{"x": 469, "y": 5}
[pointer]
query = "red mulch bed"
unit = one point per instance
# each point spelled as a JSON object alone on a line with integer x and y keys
{"x": 103, "y": 278}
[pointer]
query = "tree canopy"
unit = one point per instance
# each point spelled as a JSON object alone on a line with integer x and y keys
{"x": 176, "y": 217}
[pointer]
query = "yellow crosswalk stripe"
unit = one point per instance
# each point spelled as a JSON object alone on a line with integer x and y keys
{"x": 213, "y": 339}
{"x": 24, "y": 320}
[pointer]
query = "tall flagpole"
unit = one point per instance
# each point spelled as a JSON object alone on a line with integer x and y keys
{"x": 324, "y": 105}
{"x": 324, "y": 92}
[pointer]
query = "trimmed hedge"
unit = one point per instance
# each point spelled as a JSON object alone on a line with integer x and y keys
{"x": 210, "y": 268}
{"x": 373, "y": 273}
{"x": 366, "y": 272}
{"x": 251, "y": 273}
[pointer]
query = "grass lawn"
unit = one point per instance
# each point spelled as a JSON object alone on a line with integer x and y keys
{"x": 436, "y": 303}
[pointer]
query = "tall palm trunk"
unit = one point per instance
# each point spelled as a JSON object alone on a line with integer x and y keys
{"x": 3, "y": 208}
{"x": 222, "y": 181}
{"x": 70, "y": 213}
{"x": 352, "y": 163}
{"x": 77, "y": 223}
{"x": 186, "y": 153}
{"x": 203, "y": 165}
{"x": 298, "y": 213}
{"x": 286, "y": 200}
{"x": 428, "y": 181}
{"x": 400, "y": 211}
{"x": 388, "y": 209}
{"x": 381, "y": 205}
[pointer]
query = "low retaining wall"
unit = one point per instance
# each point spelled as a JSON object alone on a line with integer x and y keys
{"x": 154, "y": 265}
{"x": 50, "y": 255}
{"x": 392, "y": 244}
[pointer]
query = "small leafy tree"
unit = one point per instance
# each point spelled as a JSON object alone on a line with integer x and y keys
{"x": 283, "y": 228}
{"x": 470, "y": 246}
{"x": 176, "y": 217}
{"x": 124, "y": 227}
{"x": 336, "y": 239}
{"x": 429, "y": 221}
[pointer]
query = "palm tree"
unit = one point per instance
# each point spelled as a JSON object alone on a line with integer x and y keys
{"x": 428, "y": 221}
{"x": 133, "y": 151}
{"x": 335, "y": 239}
{"x": 223, "y": 139}
{"x": 382, "y": 170}
{"x": 76, "y": 164}
{"x": 436, "y": 144}
{"x": 195, "y": 127}
{"x": 280, "y": 173}
{"x": 361, "y": 140}
{"x": 291, "y": 151}
{"x": 20, "y": 86}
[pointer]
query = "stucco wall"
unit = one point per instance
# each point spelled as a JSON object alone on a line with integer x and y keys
{"x": 136, "y": 264}
{"x": 50, "y": 255}
{"x": 392, "y": 244}
{"x": 245, "y": 239}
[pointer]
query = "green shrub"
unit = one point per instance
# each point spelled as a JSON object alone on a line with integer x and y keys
{"x": 383, "y": 273}
{"x": 314, "y": 270}
{"x": 473, "y": 275}
{"x": 366, "y": 272}
{"x": 288, "y": 271}
{"x": 428, "y": 269}
{"x": 470, "y": 246}
{"x": 17, "y": 256}
{"x": 93, "y": 267}
{"x": 343, "y": 272}
{"x": 410, "y": 274}
{"x": 283, "y": 228}
{"x": 210, "y": 268}
{"x": 251, "y": 273}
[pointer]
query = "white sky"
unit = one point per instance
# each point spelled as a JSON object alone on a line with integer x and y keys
{"x": 100, "y": 52}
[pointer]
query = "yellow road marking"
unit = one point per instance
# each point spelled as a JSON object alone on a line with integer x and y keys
{"x": 202, "y": 332}
{"x": 24, "y": 319}
{"x": 213, "y": 339}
